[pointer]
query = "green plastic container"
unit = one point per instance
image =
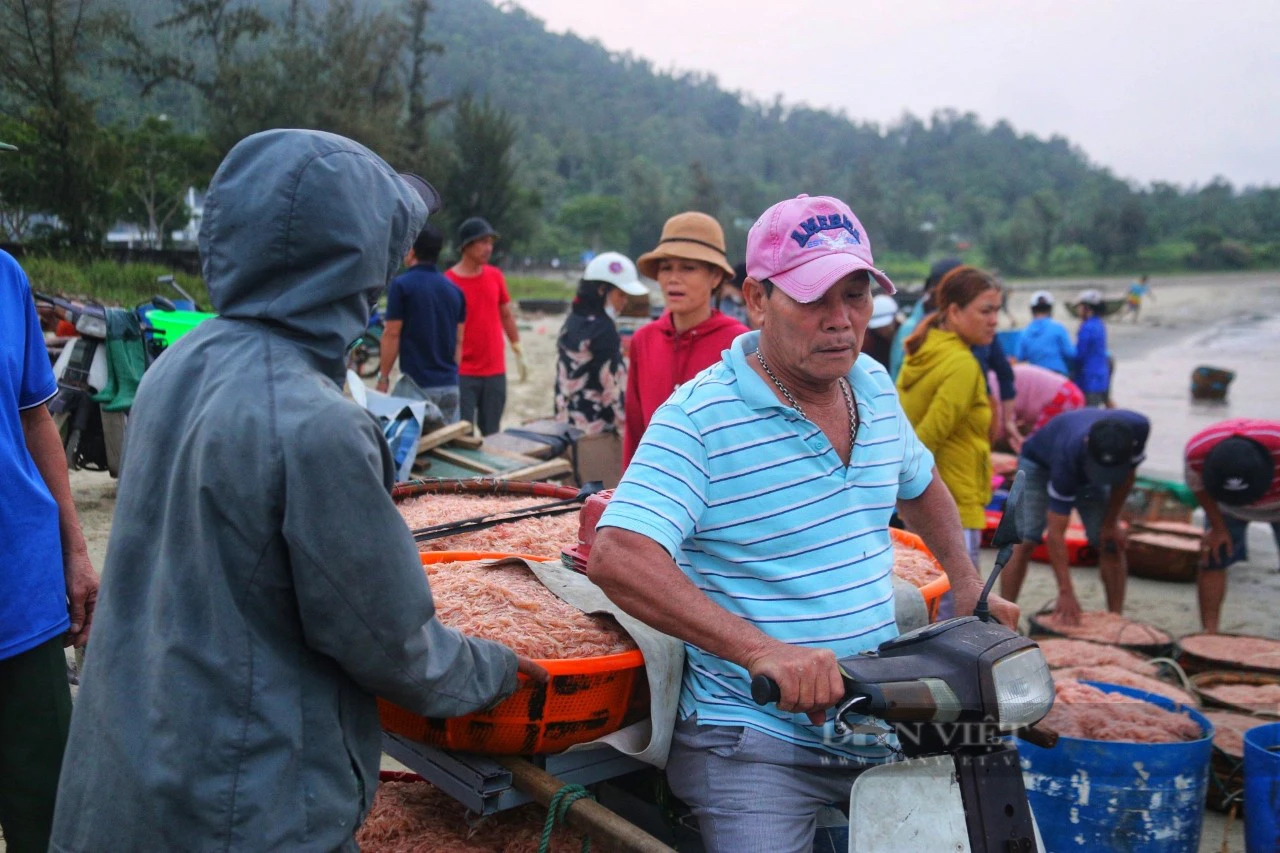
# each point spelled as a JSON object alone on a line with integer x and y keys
{"x": 171, "y": 325}
{"x": 1178, "y": 489}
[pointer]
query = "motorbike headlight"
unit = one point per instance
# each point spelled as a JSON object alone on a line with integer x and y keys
{"x": 1024, "y": 688}
{"x": 92, "y": 325}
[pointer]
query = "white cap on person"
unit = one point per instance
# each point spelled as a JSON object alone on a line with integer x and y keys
{"x": 884, "y": 309}
{"x": 615, "y": 268}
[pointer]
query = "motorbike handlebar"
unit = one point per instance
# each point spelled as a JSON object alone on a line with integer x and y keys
{"x": 765, "y": 690}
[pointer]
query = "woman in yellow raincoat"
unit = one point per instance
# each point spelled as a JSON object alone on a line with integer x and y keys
{"x": 944, "y": 392}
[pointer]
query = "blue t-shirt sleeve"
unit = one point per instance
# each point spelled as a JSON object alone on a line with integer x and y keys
{"x": 1064, "y": 341}
{"x": 1090, "y": 342}
{"x": 395, "y": 300}
{"x": 1063, "y": 481}
{"x": 38, "y": 383}
{"x": 664, "y": 491}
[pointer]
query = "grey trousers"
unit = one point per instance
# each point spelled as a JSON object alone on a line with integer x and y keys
{"x": 482, "y": 400}
{"x": 752, "y": 792}
{"x": 444, "y": 398}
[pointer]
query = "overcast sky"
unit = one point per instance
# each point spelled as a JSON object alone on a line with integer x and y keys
{"x": 1169, "y": 90}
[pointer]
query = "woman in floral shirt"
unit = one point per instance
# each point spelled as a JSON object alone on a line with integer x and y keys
{"x": 590, "y": 373}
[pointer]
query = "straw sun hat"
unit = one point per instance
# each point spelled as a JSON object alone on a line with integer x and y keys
{"x": 692, "y": 236}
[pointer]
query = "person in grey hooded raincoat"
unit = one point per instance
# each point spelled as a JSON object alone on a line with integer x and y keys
{"x": 260, "y": 587}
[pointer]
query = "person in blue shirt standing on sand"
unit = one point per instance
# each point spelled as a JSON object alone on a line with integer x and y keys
{"x": 48, "y": 588}
{"x": 1093, "y": 366}
{"x": 1045, "y": 341}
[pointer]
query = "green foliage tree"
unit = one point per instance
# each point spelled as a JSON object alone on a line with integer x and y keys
{"x": 70, "y": 157}
{"x": 336, "y": 68}
{"x": 420, "y": 107}
{"x": 161, "y": 165}
{"x": 598, "y": 222}
{"x": 1046, "y": 211}
{"x": 703, "y": 194}
{"x": 646, "y": 199}
{"x": 20, "y": 188}
{"x": 216, "y": 47}
{"x": 590, "y": 124}
{"x": 483, "y": 178}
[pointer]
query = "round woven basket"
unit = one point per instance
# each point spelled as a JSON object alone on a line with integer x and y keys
{"x": 1204, "y": 680}
{"x": 1193, "y": 663}
{"x": 1154, "y": 650}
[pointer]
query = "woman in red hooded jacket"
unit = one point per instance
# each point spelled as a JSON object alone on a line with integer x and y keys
{"x": 689, "y": 263}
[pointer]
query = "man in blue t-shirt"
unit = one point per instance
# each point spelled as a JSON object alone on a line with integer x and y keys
{"x": 43, "y": 563}
{"x": 1084, "y": 460}
{"x": 1045, "y": 341}
{"x": 425, "y": 316}
{"x": 1093, "y": 364}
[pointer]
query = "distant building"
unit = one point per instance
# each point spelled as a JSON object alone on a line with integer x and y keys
{"x": 137, "y": 237}
{"x": 189, "y": 232}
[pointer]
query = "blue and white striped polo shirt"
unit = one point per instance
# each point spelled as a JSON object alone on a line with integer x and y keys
{"x": 755, "y": 506}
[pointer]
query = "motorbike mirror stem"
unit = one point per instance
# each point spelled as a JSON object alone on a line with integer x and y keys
{"x": 1008, "y": 533}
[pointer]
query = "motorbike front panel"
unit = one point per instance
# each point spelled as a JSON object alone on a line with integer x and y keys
{"x": 912, "y": 806}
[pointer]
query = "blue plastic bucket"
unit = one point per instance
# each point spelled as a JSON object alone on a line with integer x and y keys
{"x": 1090, "y": 795}
{"x": 1262, "y": 789}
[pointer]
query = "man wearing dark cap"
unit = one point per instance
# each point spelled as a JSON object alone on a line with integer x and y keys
{"x": 1232, "y": 469}
{"x": 482, "y": 374}
{"x": 1083, "y": 460}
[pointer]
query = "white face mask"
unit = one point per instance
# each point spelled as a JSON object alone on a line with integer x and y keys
{"x": 611, "y": 312}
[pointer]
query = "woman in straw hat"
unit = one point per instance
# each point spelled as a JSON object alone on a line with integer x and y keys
{"x": 690, "y": 265}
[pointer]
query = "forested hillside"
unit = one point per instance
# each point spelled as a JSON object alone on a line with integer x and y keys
{"x": 569, "y": 147}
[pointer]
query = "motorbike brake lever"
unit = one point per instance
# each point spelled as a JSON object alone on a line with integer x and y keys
{"x": 844, "y": 708}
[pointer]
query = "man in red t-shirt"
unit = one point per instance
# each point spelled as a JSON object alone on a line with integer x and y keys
{"x": 482, "y": 373}
{"x": 1232, "y": 469}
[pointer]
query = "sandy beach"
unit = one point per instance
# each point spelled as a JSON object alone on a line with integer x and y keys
{"x": 1230, "y": 321}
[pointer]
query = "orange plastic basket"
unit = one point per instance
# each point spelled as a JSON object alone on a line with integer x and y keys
{"x": 586, "y": 698}
{"x": 933, "y": 590}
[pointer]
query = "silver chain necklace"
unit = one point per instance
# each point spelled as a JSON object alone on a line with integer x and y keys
{"x": 854, "y": 420}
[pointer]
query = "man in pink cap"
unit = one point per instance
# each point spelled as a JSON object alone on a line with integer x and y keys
{"x": 752, "y": 523}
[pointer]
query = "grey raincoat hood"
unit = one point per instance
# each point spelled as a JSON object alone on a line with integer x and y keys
{"x": 302, "y": 230}
{"x": 260, "y": 587}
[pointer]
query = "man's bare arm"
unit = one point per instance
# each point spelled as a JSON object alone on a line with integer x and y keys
{"x": 640, "y": 577}
{"x": 389, "y": 348}
{"x": 933, "y": 515}
{"x": 508, "y": 318}
{"x": 45, "y": 446}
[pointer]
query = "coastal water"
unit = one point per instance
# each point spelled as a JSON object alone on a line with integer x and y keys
{"x": 1158, "y": 383}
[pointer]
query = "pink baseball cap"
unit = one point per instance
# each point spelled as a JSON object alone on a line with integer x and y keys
{"x": 806, "y": 244}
